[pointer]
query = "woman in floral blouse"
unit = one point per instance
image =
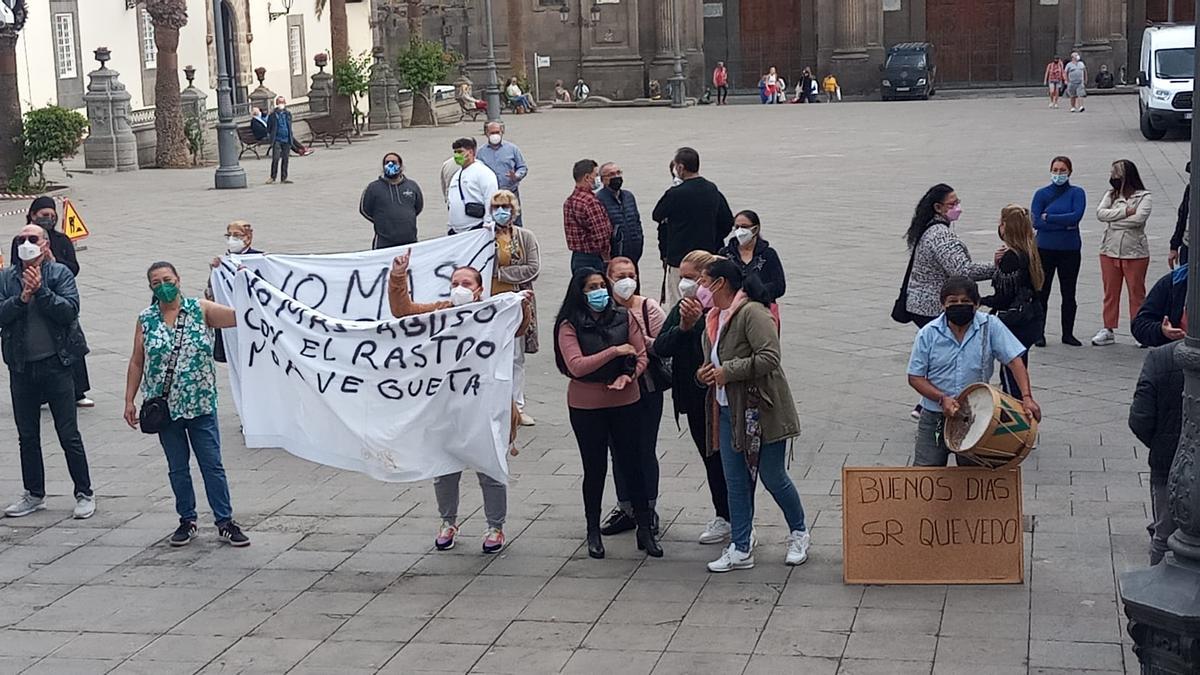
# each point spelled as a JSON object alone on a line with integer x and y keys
{"x": 192, "y": 400}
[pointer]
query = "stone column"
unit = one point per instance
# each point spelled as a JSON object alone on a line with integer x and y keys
{"x": 110, "y": 143}
{"x": 194, "y": 104}
{"x": 262, "y": 98}
{"x": 322, "y": 87}
{"x": 664, "y": 29}
{"x": 1098, "y": 35}
{"x": 385, "y": 108}
{"x": 857, "y": 50}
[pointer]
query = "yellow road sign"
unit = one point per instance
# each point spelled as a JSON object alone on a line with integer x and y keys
{"x": 72, "y": 223}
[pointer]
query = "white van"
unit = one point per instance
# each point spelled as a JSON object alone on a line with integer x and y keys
{"x": 1165, "y": 79}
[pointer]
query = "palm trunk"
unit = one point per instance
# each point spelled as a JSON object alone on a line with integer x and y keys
{"x": 339, "y": 37}
{"x": 10, "y": 109}
{"x": 516, "y": 39}
{"x": 412, "y": 14}
{"x": 171, "y": 144}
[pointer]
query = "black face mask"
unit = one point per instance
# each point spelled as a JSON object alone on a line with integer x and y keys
{"x": 47, "y": 222}
{"x": 1115, "y": 183}
{"x": 960, "y": 315}
{"x": 615, "y": 183}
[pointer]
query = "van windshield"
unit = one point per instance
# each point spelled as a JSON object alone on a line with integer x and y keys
{"x": 1175, "y": 64}
{"x": 906, "y": 60}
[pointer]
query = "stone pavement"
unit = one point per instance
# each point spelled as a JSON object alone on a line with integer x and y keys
{"x": 341, "y": 577}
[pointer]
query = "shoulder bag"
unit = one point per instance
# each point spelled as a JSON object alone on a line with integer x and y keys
{"x": 473, "y": 209}
{"x": 900, "y": 312}
{"x": 155, "y": 414}
{"x": 658, "y": 371}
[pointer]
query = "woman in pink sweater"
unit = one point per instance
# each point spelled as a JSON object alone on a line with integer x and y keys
{"x": 602, "y": 349}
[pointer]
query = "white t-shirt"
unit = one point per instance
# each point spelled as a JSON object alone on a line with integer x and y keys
{"x": 478, "y": 184}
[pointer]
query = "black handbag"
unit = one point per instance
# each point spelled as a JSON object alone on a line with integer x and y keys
{"x": 658, "y": 371}
{"x": 900, "y": 313}
{"x": 473, "y": 209}
{"x": 155, "y": 414}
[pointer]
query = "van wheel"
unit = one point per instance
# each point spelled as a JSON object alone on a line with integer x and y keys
{"x": 1148, "y": 129}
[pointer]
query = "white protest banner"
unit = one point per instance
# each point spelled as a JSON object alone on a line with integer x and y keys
{"x": 354, "y": 285}
{"x": 399, "y": 400}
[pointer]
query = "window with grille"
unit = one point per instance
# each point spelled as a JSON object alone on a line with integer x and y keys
{"x": 296, "y": 49}
{"x": 64, "y": 46}
{"x": 149, "y": 48}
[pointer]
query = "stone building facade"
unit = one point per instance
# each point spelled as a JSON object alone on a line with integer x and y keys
{"x": 978, "y": 42}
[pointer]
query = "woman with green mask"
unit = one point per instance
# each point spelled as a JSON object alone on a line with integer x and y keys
{"x": 172, "y": 351}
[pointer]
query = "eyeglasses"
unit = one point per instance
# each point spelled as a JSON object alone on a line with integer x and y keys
{"x": 31, "y": 238}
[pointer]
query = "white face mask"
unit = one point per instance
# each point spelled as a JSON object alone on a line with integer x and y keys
{"x": 461, "y": 295}
{"x": 28, "y": 251}
{"x": 624, "y": 288}
{"x": 280, "y": 106}
{"x": 495, "y": 139}
{"x": 744, "y": 236}
{"x": 687, "y": 288}
{"x": 235, "y": 245}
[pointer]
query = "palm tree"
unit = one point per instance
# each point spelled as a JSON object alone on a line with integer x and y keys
{"x": 339, "y": 39}
{"x": 168, "y": 17}
{"x": 516, "y": 38}
{"x": 10, "y": 105}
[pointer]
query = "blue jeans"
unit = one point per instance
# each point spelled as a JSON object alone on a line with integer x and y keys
{"x": 201, "y": 436}
{"x": 773, "y": 472}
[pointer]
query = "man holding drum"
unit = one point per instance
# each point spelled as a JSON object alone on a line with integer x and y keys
{"x": 957, "y": 349}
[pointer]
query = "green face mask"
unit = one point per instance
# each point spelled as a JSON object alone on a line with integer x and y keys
{"x": 166, "y": 292}
{"x": 460, "y": 158}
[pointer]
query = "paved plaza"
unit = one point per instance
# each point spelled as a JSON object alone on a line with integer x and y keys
{"x": 342, "y": 576}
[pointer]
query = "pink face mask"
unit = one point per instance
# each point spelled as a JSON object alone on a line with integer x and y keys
{"x": 954, "y": 212}
{"x": 705, "y": 297}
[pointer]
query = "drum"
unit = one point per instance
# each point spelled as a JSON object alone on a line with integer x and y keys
{"x": 992, "y": 428}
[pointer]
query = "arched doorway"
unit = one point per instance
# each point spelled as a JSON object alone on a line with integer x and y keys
{"x": 229, "y": 23}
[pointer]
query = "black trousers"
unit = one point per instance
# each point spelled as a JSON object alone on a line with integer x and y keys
{"x": 80, "y": 373}
{"x": 1008, "y": 382}
{"x": 1066, "y": 264}
{"x": 47, "y": 380}
{"x": 712, "y": 463}
{"x": 593, "y": 430}
{"x": 650, "y": 409}
{"x": 279, "y": 159}
{"x": 722, "y": 94}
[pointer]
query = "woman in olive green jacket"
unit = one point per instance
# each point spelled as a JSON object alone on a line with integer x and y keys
{"x": 751, "y": 415}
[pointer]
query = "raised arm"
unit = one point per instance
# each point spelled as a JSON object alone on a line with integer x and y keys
{"x": 218, "y": 315}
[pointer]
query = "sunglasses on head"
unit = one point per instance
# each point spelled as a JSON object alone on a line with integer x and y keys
{"x": 31, "y": 238}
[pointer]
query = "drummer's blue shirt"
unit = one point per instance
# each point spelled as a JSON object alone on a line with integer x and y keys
{"x": 950, "y": 365}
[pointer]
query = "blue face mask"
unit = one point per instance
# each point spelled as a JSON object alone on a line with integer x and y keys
{"x": 391, "y": 169}
{"x": 501, "y": 214}
{"x": 598, "y": 299}
{"x": 1059, "y": 178}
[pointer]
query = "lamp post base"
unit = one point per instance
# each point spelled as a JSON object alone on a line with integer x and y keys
{"x": 1163, "y": 606}
{"x": 230, "y": 178}
{"x": 678, "y": 95}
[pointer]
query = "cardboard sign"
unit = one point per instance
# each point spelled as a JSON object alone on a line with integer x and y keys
{"x": 939, "y": 525}
{"x": 73, "y": 225}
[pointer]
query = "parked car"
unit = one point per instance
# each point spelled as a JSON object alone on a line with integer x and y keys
{"x": 909, "y": 71}
{"x": 1165, "y": 74}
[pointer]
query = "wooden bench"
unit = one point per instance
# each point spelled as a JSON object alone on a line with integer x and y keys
{"x": 250, "y": 143}
{"x": 468, "y": 109}
{"x": 327, "y": 130}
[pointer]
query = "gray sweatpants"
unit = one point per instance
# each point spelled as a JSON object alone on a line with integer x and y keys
{"x": 495, "y": 498}
{"x": 1162, "y": 524}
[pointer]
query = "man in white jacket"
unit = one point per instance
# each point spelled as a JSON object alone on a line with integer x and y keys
{"x": 470, "y": 190}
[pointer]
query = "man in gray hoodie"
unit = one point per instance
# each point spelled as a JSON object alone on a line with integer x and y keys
{"x": 392, "y": 203}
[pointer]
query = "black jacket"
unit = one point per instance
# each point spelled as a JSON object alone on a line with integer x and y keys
{"x": 1156, "y": 415}
{"x": 765, "y": 265}
{"x": 691, "y": 216}
{"x": 273, "y": 123}
{"x": 628, "y": 239}
{"x": 1181, "y": 219}
{"x": 258, "y": 127}
{"x": 1165, "y": 299}
{"x": 1014, "y": 298}
{"x": 64, "y": 251}
{"x": 58, "y": 301}
{"x": 686, "y": 354}
{"x": 393, "y": 209}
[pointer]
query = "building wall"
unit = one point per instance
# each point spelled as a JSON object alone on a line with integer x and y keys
{"x": 109, "y": 23}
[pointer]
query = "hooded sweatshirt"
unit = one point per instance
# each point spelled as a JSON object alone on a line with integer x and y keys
{"x": 393, "y": 209}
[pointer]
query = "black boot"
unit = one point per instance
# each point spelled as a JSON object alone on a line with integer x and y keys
{"x": 647, "y": 543}
{"x": 617, "y": 522}
{"x": 595, "y": 544}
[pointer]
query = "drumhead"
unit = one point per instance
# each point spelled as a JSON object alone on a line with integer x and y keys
{"x": 982, "y": 409}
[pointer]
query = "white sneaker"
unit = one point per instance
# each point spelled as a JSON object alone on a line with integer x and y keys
{"x": 717, "y": 531}
{"x": 24, "y": 506}
{"x": 85, "y": 507}
{"x": 797, "y": 552}
{"x": 1104, "y": 337}
{"x": 753, "y": 539}
{"x": 1051, "y": 105}
{"x": 1072, "y": 109}
{"x": 85, "y": 402}
{"x": 1080, "y": 108}
{"x": 527, "y": 421}
{"x": 732, "y": 559}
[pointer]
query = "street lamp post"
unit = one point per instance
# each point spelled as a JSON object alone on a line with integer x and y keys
{"x": 493, "y": 83}
{"x": 1161, "y": 602}
{"x": 230, "y": 175}
{"x": 678, "y": 95}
